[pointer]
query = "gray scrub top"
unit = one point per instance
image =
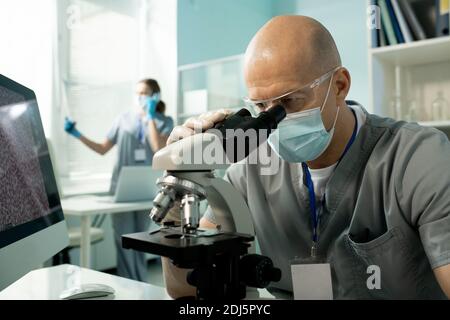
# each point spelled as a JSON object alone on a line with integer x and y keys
{"x": 125, "y": 134}
{"x": 386, "y": 204}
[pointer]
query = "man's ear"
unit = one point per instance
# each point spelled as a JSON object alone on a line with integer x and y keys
{"x": 342, "y": 84}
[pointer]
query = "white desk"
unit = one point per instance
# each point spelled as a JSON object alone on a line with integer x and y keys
{"x": 48, "y": 283}
{"x": 89, "y": 205}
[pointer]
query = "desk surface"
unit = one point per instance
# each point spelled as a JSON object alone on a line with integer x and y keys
{"x": 48, "y": 283}
{"x": 90, "y": 204}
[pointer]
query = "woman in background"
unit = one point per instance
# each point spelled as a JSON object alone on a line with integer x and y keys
{"x": 138, "y": 134}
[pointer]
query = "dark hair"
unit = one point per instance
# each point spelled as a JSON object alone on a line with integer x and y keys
{"x": 152, "y": 85}
{"x": 161, "y": 107}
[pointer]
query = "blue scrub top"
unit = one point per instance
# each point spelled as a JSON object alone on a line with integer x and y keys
{"x": 126, "y": 133}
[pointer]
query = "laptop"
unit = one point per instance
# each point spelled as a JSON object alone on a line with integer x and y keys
{"x": 135, "y": 184}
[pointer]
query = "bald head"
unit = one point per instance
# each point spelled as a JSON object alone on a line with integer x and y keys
{"x": 287, "y": 51}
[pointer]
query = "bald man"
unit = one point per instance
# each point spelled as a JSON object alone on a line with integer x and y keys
{"x": 367, "y": 196}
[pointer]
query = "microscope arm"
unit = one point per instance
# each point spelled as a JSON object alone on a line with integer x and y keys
{"x": 233, "y": 203}
{"x": 227, "y": 204}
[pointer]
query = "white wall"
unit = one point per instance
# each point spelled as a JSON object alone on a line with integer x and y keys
{"x": 159, "y": 56}
{"x": 27, "y": 42}
{"x": 212, "y": 29}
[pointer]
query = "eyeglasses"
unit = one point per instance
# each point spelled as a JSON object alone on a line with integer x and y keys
{"x": 292, "y": 100}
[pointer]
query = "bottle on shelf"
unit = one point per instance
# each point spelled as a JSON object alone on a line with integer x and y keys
{"x": 411, "y": 116}
{"x": 440, "y": 108}
{"x": 395, "y": 105}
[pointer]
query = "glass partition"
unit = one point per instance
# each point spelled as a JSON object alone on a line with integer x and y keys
{"x": 210, "y": 85}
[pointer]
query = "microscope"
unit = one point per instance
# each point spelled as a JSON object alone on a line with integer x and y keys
{"x": 223, "y": 262}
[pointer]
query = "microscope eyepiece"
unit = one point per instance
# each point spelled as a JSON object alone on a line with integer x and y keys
{"x": 275, "y": 115}
{"x": 242, "y": 123}
{"x": 243, "y": 119}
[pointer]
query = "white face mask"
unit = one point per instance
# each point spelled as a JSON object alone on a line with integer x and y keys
{"x": 140, "y": 100}
{"x": 301, "y": 136}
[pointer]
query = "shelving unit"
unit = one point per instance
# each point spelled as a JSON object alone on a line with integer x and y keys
{"x": 415, "y": 53}
{"x": 436, "y": 124}
{"x": 406, "y": 79}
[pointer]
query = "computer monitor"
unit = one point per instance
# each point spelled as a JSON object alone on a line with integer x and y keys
{"x": 32, "y": 226}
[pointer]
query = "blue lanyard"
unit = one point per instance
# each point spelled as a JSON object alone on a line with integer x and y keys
{"x": 310, "y": 185}
{"x": 141, "y": 132}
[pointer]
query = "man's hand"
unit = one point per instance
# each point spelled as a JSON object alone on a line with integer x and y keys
{"x": 70, "y": 128}
{"x": 204, "y": 122}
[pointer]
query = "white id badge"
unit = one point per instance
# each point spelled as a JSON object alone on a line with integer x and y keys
{"x": 312, "y": 281}
{"x": 139, "y": 155}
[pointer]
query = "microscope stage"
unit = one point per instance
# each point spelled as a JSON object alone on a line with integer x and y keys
{"x": 184, "y": 249}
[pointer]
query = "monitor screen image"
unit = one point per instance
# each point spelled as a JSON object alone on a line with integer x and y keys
{"x": 32, "y": 226}
{"x": 29, "y": 199}
{"x": 23, "y": 160}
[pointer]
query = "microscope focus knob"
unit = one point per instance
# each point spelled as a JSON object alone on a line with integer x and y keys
{"x": 258, "y": 271}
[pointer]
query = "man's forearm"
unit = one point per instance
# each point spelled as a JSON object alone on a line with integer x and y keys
{"x": 443, "y": 277}
{"x": 176, "y": 280}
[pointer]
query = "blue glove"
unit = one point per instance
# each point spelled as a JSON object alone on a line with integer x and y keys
{"x": 69, "y": 127}
{"x": 151, "y": 103}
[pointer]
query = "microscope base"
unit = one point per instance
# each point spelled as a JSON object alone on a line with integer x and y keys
{"x": 215, "y": 259}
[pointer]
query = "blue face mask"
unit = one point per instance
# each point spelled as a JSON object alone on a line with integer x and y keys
{"x": 301, "y": 136}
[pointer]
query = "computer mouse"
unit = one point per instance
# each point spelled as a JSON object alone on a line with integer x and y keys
{"x": 87, "y": 291}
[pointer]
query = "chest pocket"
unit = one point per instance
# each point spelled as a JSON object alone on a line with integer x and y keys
{"x": 388, "y": 258}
